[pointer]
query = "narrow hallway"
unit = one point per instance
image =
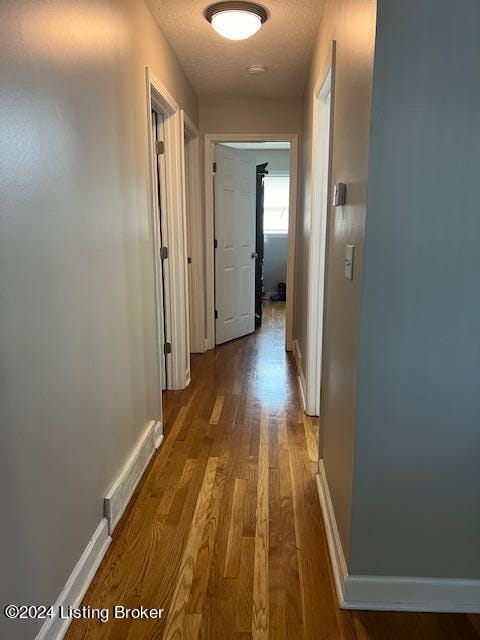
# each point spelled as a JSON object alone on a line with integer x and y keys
{"x": 225, "y": 531}
{"x": 226, "y": 524}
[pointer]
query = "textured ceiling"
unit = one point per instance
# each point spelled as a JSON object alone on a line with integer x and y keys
{"x": 217, "y": 67}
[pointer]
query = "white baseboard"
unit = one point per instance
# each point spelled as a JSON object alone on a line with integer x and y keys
{"x": 391, "y": 593}
{"x": 115, "y": 504}
{"x": 301, "y": 376}
{"x": 119, "y": 496}
{"x": 78, "y": 583}
{"x": 158, "y": 435}
{"x": 399, "y": 593}
{"x": 337, "y": 557}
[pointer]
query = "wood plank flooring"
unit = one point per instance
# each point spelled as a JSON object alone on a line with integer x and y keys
{"x": 225, "y": 531}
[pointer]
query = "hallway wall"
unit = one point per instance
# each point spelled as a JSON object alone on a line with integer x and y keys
{"x": 351, "y": 23}
{"x": 417, "y": 473}
{"x": 278, "y": 160}
{"x": 399, "y": 420}
{"x": 274, "y": 263}
{"x": 77, "y": 333}
{"x": 250, "y": 115}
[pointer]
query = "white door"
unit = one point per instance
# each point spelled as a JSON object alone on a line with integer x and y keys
{"x": 235, "y": 192}
{"x": 161, "y": 267}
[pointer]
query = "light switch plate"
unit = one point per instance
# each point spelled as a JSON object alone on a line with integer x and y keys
{"x": 339, "y": 194}
{"x": 349, "y": 256}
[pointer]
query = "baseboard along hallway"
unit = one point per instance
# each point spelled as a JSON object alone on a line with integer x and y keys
{"x": 225, "y": 531}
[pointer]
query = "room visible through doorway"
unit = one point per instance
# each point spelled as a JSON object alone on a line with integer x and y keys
{"x": 251, "y": 193}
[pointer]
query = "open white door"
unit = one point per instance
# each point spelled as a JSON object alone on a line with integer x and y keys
{"x": 235, "y": 189}
{"x": 161, "y": 267}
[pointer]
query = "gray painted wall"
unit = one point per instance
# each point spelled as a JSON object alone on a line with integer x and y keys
{"x": 278, "y": 160}
{"x": 275, "y": 262}
{"x": 352, "y": 24}
{"x": 416, "y": 501}
{"x": 276, "y": 248}
{"x": 77, "y": 333}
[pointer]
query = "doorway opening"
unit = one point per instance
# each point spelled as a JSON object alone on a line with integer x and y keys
{"x": 276, "y": 187}
{"x": 251, "y": 196}
{"x": 167, "y": 227}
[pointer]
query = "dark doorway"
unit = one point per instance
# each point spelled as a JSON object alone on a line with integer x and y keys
{"x": 259, "y": 245}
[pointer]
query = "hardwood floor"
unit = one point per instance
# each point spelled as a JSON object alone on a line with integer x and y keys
{"x": 225, "y": 531}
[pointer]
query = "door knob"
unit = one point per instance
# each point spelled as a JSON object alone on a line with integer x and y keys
{"x": 253, "y": 255}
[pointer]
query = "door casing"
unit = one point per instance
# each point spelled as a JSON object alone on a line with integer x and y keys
{"x": 160, "y": 100}
{"x": 210, "y": 140}
{"x": 321, "y": 169}
{"x": 195, "y": 235}
{"x": 162, "y": 309}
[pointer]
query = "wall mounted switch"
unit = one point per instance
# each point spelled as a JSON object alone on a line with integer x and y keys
{"x": 349, "y": 255}
{"x": 339, "y": 194}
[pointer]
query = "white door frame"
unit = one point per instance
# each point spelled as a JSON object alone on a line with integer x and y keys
{"x": 322, "y": 125}
{"x": 196, "y": 268}
{"x": 163, "y": 291}
{"x": 210, "y": 140}
{"x": 159, "y": 99}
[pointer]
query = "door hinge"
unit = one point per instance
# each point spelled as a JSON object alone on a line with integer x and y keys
{"x": 216, "y": 314}
{"x": 189, "y": 260}
{"x": 163, "y": 253}
{"x": 160, "y": 148}
{"x": 215, "y": 244}
{"x": 167, "y": 348}
{"x": 214, "y": 167}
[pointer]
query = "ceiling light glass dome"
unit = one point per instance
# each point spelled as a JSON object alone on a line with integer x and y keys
{"x": 236, "y": 20}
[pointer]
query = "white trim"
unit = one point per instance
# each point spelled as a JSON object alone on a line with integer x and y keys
{"x": 398, "y": 593}
{"x": 190, "y": 128}
{"x": 275, "y": 234}
{"x": 210, "y": 139}
{"x": 278, "y": 173}
{"x": 161, "y": 96}
{"x": 209, "y": 248}
{"x": 184, "y": 329}
{"x": 390, "y": 593}
{"x": 317, "y": 245}
{"x": 120, "y": 494}
{"x": 194, "y": 228}
{"x": 158, "y": 434}
{"x": 77, "y": 583}
{"x": 177, "y": 253}
{"x": 160, "y": 99}
{"x": 115, "y": 504}
{"x": 337, "y": 557}
{"x": 155, "y": 233}
{"x": 297, "y": 353}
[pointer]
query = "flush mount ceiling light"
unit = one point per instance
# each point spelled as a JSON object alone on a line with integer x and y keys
{"x": 236, "y": 20}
